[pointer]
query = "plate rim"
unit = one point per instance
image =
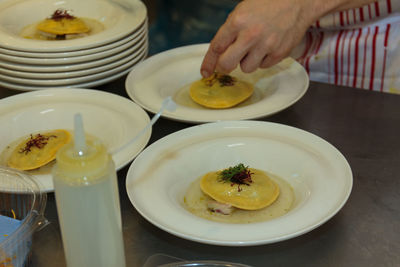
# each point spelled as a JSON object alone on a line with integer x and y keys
{"x": 71, "y": 74}
{"x": 143, "y": 43}
{"x": 78, "y": 85}
{"x": 77, "y": 79}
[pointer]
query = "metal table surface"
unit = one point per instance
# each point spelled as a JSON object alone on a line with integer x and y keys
{"x": 363, "y": 125}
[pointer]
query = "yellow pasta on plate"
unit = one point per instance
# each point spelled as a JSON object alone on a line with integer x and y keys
{"x": 220, "y": 91}
{"x": 38, "y": 149}
{"x": 251, "y": 190}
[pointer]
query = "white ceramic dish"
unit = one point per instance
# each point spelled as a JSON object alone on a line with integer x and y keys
{"x": 319, "y": 174}
{"x": 90, "y": 84}
{"x": 130, "y": 37}
{"x": 76, "y": 59}
{"x": 170, "y": 73}
{"x": 69, "y": 74}
{"x": 74, "y": 67}
{"x": 118, "y": 17}
{"x": 73, "y": 80}
{"x": 112, "y": 118}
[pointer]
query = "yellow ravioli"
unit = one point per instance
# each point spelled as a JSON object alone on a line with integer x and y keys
{"x": 220, "y": 91}
{"x": 63, "y": 26}
{"x": 38, "y": 149}
{"x": 259, "y": 194}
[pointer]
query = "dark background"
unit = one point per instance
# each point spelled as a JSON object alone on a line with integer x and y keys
{"x": 174, "y": 23}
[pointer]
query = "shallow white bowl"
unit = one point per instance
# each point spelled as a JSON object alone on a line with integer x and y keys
{"x": 73, "y": 80}
{"x": 170, "y": 73}
{"x": 70, "y": 74}
{"x": 118, "y": 17}
{"x": 113, "y": 119}
{"x": 159, "y": 177}
{"x": 89, "y": 84}
{"x": 77, "y": 66}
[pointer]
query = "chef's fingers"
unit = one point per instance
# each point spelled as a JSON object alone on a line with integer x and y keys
{"x": 271, "y": 60}
{"x": 221, "y": 41}
{"x": 246, "y": 49}
{"x": 257, "y": 54}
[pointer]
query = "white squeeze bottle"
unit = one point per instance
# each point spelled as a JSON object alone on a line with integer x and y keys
{"x": 87, "y": 198}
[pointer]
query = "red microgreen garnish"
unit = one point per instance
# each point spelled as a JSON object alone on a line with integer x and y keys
{"x": 223, "y": 79}
{"x": 38, "y": 141}
{"x": 238, "y": 174}
{"x": 60, "y": 14}
{"x": 226, "y": 80}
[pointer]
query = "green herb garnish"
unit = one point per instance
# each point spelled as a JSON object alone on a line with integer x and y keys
{"x": 238, "y": 174}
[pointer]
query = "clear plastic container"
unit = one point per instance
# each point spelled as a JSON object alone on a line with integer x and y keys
{"x": 162, "y": 260}
{"x": 21, "y": 198}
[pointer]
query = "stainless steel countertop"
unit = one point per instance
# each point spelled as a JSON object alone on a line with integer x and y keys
{"x": 363, "y": 125}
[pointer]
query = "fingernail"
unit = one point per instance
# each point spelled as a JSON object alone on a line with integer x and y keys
{"x": 205, "y": 73}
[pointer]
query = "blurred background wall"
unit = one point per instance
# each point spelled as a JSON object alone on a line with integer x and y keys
{"x": 174, "y": 23}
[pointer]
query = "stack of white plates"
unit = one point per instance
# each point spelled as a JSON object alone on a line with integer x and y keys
{"x": 28, "y": 64}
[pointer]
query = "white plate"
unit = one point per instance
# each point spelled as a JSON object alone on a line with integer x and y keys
{"x": 118, "y": 17}
{"x": 318, "y": 173}
{"x": 170, "y": 73}
{"x": 70, "y": 74}
{"x": 73, "y": 80}
{"x": 78, "y": 66}
{"x": 112, "y": 118}
{"x": 76, "y": 59}
{"x": 90, "y": 84}
{"x": 130, "y": 37}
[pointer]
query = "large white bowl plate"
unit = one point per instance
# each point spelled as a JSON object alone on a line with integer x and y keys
{"x": 119, "y": 18}
{"x": 89, "y": 84}
{"x": 70, "y": 74}
{"x": 171, "y": 72}
{"x": 318, "y": 173}
{"x": 113, "y": 119}
{"x": 73, "y": 67}
{"x": 38, "y": 81}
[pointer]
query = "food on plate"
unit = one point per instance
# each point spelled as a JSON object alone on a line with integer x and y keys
{"x": 220, "y": 91}
{"x": 37, "y": 150}
{"x": 61, "y": 25}
{"x": 240, "y": 187}
{"x": 239, "y": 194}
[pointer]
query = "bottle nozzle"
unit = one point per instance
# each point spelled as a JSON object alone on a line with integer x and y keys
{"x": 79, "y": 135}
{"x": 167, "y": 104}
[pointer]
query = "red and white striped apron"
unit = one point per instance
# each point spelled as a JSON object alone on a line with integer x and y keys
{"x": 357, "y": 48}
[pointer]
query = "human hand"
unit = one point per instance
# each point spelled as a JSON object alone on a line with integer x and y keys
{"x": 258, "y": 34}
